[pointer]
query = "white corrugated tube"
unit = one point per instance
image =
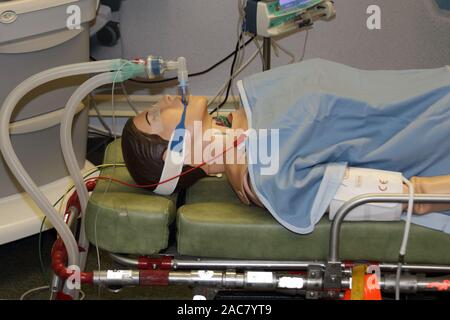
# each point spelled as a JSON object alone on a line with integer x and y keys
{"x": 15, "y": 164}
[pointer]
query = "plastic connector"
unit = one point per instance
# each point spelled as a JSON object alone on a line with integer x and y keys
{"x": 124, "y": 70}
{"x": 183, "y": 74}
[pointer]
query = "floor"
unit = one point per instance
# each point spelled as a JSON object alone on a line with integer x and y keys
{"x": 20, "y": 271}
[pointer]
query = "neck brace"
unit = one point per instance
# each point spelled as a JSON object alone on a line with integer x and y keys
{"x": 173, "y": 164}
{"x": 175, "y": 156}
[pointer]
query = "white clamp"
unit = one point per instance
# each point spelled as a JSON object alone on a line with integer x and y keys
{"x": 359, "y": 181}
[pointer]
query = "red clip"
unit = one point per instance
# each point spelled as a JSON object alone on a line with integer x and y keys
{"x": 148, "y": 263}
{"x": 62, "y": 296}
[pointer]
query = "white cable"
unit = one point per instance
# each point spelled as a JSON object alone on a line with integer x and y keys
{"x": 240, "y": 54}
{"x": 99, "y": 115}
{"x": 23, "y": 296}
{"x": 235, "y": 98}
{"x": 66, "y": 128}
{"x": 290, "y": 54}
{"x": 127, "y": 97}
{"x": 275, "y": 48}
{"x": 69, "y": 154}
{"x": 404, "y": 244}
{"x": 114, "y": 162}
{"x": 99, "y": 130}
{"x": 408, "y": 216}
{"x": 258, "y": 46}
{"x": 234, "y": 75}
{"x": 305, "y": 44}
{"x": 114, "y": 81}
{"x": 240, "y": 29}
{"x": 219, "y": 94}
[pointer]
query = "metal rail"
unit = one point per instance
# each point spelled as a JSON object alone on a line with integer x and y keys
{"x": 372, "y": 198}
{"x": 216, "y": 264}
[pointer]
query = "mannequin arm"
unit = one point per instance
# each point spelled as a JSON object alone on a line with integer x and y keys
{"x": 429, "y": 185}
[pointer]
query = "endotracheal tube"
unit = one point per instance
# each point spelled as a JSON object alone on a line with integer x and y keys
{"x": 183, "y": 81}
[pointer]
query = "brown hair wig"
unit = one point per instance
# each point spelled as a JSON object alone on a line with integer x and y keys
{"x": 143, "y": 155}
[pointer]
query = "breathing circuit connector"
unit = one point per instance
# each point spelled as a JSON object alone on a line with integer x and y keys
{"x": 125, "y": 69}
{"x": 156, "y": 66}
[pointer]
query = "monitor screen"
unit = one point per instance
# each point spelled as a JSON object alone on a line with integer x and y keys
{"x": 291, "y": 3}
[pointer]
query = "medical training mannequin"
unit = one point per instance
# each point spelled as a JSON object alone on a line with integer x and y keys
{"x": 145, "y": 140}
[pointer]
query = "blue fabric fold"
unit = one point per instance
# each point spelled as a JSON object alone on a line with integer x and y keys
{"x": 330, "y": 116}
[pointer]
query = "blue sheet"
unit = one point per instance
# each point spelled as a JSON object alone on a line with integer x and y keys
{"x": 329, "y": 116}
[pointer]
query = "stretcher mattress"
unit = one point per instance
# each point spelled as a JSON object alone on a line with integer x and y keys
{"x": 213, "y": 223}
{"x": 121, "y": 219}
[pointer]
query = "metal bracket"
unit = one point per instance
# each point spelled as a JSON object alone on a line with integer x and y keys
{"x": 332, "y": 283}
{"x": 314, "y": 282}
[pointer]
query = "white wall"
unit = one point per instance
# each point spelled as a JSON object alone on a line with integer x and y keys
{"x": 413, "y": 35}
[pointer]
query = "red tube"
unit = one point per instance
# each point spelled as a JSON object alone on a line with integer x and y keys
{"x": 162, "y": 263}
{"x": 59, "y": 253}
{"x": 154, "y": 277}
{"x": 74, "y": 201}
{"x": 90, "y": 185}
{"x": 59, "y": 261}
{"x": 63, "y": 297}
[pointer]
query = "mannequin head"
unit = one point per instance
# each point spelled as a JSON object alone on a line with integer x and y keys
{"x": 145, "y": 140}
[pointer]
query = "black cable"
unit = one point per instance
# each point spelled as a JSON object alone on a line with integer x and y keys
{"x": 144, "y": 81}
{"x": 231, "y": 78}
{"x": 197, "y": 73}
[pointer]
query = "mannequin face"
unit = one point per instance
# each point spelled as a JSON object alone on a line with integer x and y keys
{"x": 171, "y": 110}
